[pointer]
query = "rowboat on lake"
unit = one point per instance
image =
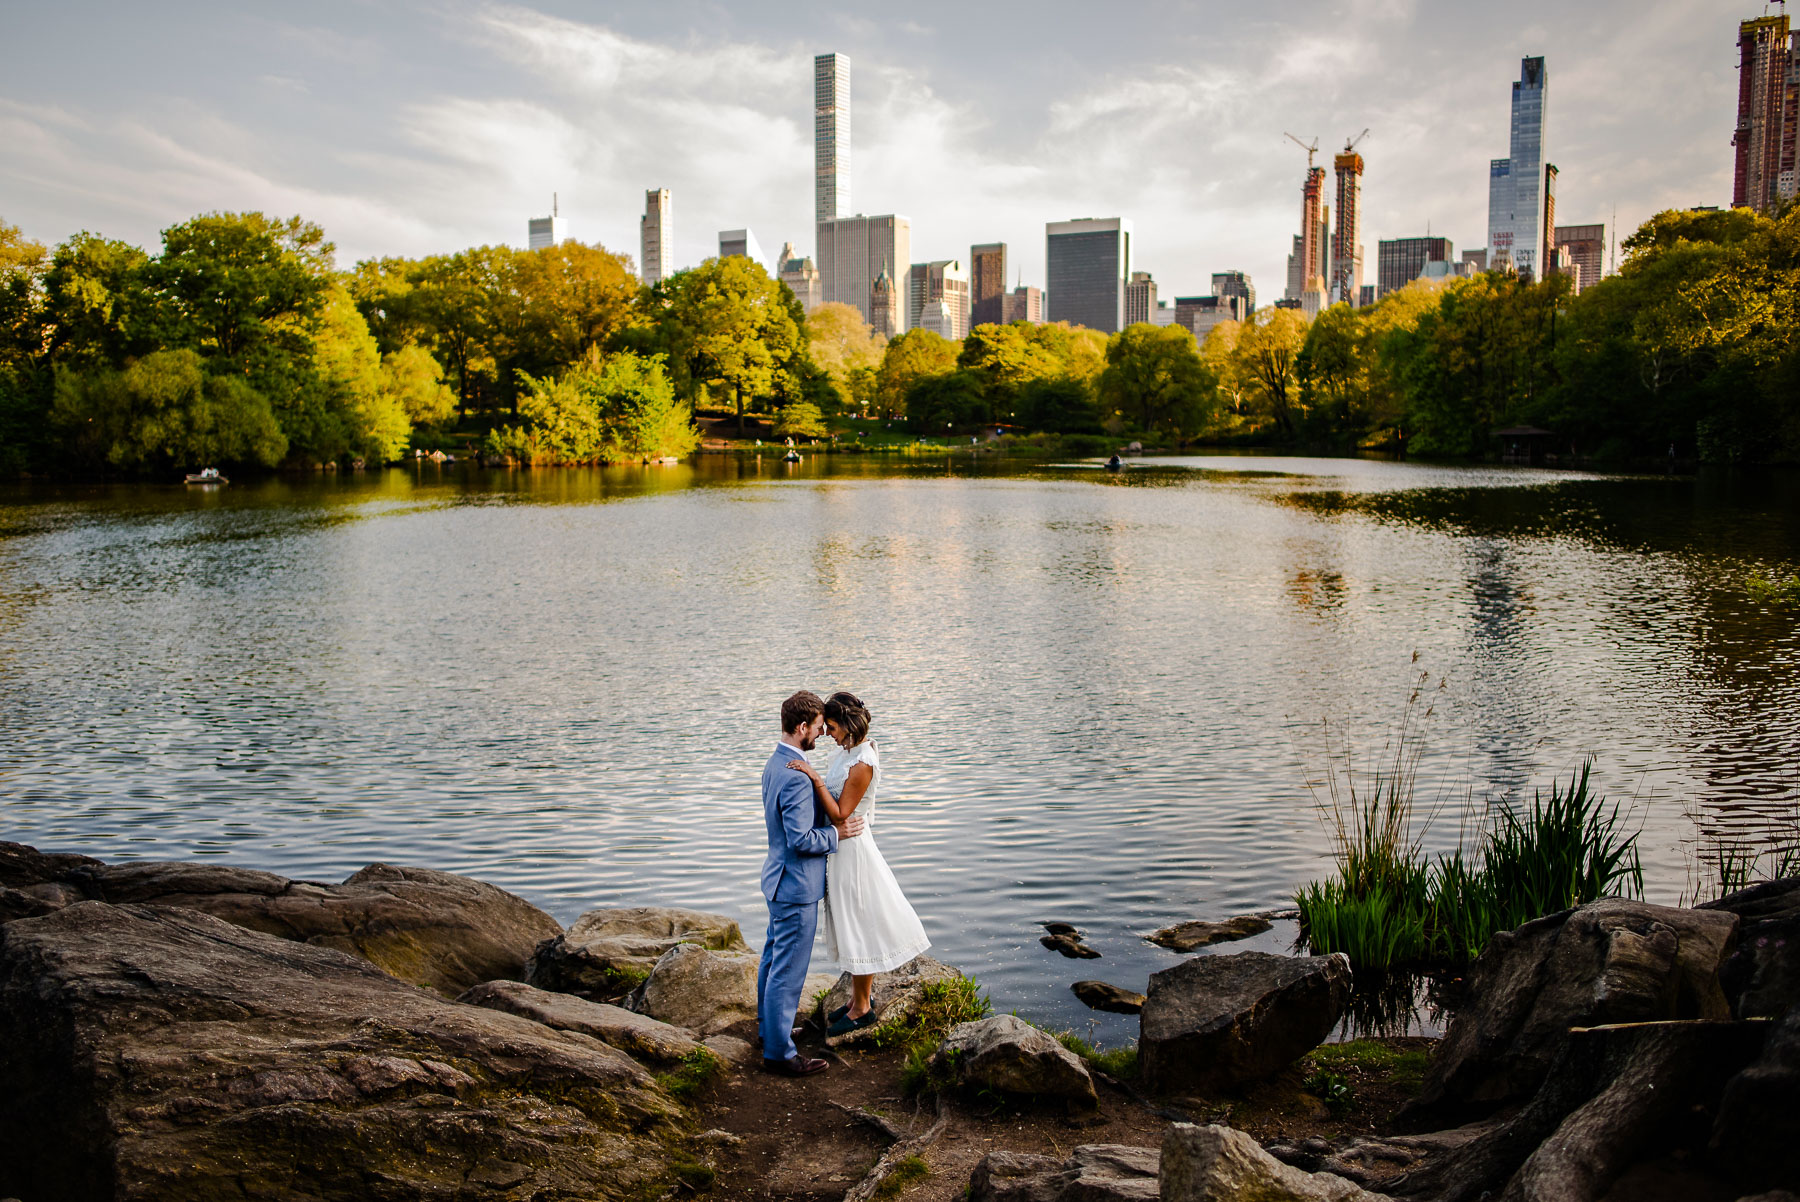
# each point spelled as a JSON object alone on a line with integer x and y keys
{"x": 206, "y": 476}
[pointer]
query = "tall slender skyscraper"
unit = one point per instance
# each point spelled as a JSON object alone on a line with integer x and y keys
{"x": 656, "y": 237}
{"x": 831, "y": 137}
{"x": 1768, "y": 117}
{"x": 987, "y": 283}
{"x": 1346, "y": 247}
{"x": 1516, "y": 226}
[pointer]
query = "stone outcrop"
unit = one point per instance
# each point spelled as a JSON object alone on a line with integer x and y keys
{"x": 1214, "y": 1022}
{"x": 1761, "y": 979}
{"x": 895, "y": 995}
{"x": 1191, "y": 936}
{"x": 1009, "y": 1055}
{"x": 158, "y": 1053}
{"x": 637, "y": 1035}
{"x": 1756, "y": 1133}
{"x": 1611, "y": 961}
{"x": 606, "y": 953}
{"x": 703, "y": 990}
{"x": 1222, "y": 1164}
{"x": 1098, "y": 995}
{"x": 429, "y": 928}
{"x": 1091, "y": 1173}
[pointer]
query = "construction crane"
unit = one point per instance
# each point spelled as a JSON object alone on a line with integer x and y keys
{"x": 1351, "y": 144}
{"x": 1310, "y": 150}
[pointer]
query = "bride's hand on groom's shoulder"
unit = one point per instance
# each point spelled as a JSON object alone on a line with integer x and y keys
{"x": 803, "y": 766}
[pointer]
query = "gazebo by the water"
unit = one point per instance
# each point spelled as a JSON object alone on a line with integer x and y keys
{"x": 1522, "y": 444}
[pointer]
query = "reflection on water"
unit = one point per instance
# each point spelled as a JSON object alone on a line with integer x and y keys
{"x": 1098, "y": 696}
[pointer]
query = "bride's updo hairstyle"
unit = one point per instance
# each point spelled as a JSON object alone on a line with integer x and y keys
{"x": 850, "y": 713}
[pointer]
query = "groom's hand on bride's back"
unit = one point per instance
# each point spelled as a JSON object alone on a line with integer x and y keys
{"x": 850, "y": 827}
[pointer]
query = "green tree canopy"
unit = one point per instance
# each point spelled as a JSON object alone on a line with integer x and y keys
{"x": 164, "y": 410}
{"x": 913, "y": 356}
{"x": 726, "y": 323}
{"x": 1154, "y": 376}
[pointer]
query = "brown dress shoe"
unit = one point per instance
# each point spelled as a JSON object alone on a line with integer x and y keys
{"x": 794, "y": 1066}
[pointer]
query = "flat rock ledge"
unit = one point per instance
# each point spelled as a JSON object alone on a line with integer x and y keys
{"x": 160, "y": 1054}
{"x": 434, "y": 929}
{"x": 1091, "y": 1173}
{"x": 1222, "y": 1164}
{"x": 637, "y": 1035}
{"x": 1213, "y": 1022}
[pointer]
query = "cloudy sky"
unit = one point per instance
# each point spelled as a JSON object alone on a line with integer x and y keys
{"x": 413, "y": 126}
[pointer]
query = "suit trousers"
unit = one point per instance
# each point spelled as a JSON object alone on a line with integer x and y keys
{"x": 781, "y": 974}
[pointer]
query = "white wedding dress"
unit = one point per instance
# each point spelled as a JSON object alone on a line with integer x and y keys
{"x": 869, "y": 927}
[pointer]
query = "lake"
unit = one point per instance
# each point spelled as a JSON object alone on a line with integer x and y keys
{"x": 1099, "y": 699}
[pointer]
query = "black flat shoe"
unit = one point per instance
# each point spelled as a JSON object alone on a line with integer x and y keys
{"x": 837, "y": 1014}
{"x": 846, "y": 1024}
{"x": 794, "y": 1066}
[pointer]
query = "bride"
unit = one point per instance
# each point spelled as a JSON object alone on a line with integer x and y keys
{"x": 869, "y": 927}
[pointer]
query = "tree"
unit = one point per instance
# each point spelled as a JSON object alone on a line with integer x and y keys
{"x": 843, "y": 344}
{"x": 801, "y": 419}
{"x": 1005, "y": 358}
{"x": 24, "y": 377}
{"x": 942, "y": 403}
{"x": 238, "y": 284}
{"x": 356, "y": 413}
{"x": 727, "y": 323}
{"x": 1062, "y": 405}
{"x": 99, "y": 307}
{"x": 1155, "y": 376}
{"x": 164, "y": 410}
{"x": 913, "y": 356}
{"x": 1268, "y": 346}
{"x": 413, "y": 378}
{"x": 603, "y": 409}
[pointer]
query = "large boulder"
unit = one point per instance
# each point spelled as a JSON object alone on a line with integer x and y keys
{"x": 703, "y": 990}
{"x": 1214, "y": 1022}
{"x": 637, "y": 1035}
{"x": 609, "y": 952}
{"x": 1762, "y": 977}
{"x": 1092, "y": 1173}
{"x": 1006, "y": 1054}
{"x": 158, "y": 1054}
{"x": 1756, "y": 1132}
{"x": 895, "y": 995}
{"x": 1222, "y": 1164}
{"x": 1610, "y": 961}
{"x": 435, "y": 929}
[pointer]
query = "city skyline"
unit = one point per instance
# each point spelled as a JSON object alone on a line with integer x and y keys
{"x": 366, "y": 125}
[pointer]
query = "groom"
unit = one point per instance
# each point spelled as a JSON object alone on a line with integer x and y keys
{"x": 793, "y": 881}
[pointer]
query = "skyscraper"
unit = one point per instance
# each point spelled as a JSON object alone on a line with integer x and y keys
{"x": 1235, "y": 283}
{"x": 854, "y": 251}
{"x": 987, "y": 283}
{"x": 1586, "y": 245}
{"x": 1024, "y": 303}
{"x": 801, "y": 277}
{"x": 1312, "y": 237}
{"x": 944, "y": 283}
{"x": 546, "y": 231}
{"x": 1768, "y": 114}
{"x": 831, "y": 137}
{"x": 1346, "y": 248}
{"x": 882, "y": 306}
{"x": 1140, "y": 297}
{"x": 741, "y": 242}
{"x": 1399, "y": 261}
{"x": 1516, "y": 226}
{"x": 656, "y": 237}
{"x": 1087, "y": 262}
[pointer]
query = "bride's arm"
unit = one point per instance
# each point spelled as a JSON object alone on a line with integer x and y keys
{"x": 855, "y": 785}
{"x": 830, "y": 803}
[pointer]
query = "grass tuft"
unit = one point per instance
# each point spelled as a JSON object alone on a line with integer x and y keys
{"x": 696, "y": 1070}
{"x": 1118, "y": 1063}
{"x": 941, "y": 1006}
{"x": 906, "y": 1171}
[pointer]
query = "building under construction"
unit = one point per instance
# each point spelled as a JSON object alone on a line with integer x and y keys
{"x": 1346, "y": 246}
{"x": 1768, "y": 114}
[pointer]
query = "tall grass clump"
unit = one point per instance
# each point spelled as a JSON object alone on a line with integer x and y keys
{"x": 1390, "y": 907}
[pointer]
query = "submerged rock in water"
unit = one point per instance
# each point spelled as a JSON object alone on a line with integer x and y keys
{"x": 1212, "y": 1022}
{"x": 1070, "y": 946}
{"x": 1100, "y": 996}
{"x": 1610, "y": 961}
{"x": 162, "y": 1055}
{"x": 1091, "y": 1173}
{"x": 609, "y": 952}
{"x": 1189, "y": 936}
{"x": 637, "y": 1035}
{"x": 429, "y": 928}
{"x": 1006, "y": 1054}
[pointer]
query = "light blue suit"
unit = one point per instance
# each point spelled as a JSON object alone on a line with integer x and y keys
{"x": 793, "y": 881}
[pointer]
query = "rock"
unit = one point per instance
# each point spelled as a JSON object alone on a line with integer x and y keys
{"x": 895, "y": 995}
{"x": 1220, "y": 1164}
{"x": 642, "y": 1038}
{"x": 1774, "y": 1195}
{"x": 22, "y": 866}
{"x": 1756, "y": 1133}
{"x": 610, "y": 952}
{"x": 1188, "y": 936}
{"x": 160, "y": 1054}
{"x": 1009, "y": 1055}
{"x": 1101, "y": 996}
{"x": 1213, "y": 1022}
{"x": 1761, "y": 979}
{"x": 1092, "y": 1173}
{"x": 1610, "y": 961}
{"x": 731, "y": 1050}
{"x": 1070, "y": 946}
{"x": 1062, "y": 928}
{"x": 703, "y": 990}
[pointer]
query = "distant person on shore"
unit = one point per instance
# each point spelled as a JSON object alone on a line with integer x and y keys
{"x": 801, "y": 835}
{"x": 869, "y": 926}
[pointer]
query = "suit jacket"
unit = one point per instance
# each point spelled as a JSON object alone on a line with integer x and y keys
{"x": 800, "y": 833}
